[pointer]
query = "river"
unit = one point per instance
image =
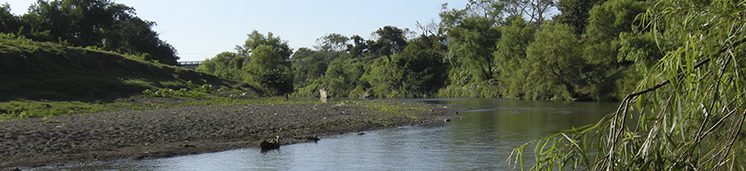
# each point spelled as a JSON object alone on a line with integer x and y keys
{"x": 482, "y": 140}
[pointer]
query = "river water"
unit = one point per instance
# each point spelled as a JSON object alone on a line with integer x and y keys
{"x": 482, "y": 140}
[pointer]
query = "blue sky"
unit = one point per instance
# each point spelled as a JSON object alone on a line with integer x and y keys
{"x": 202, "y": 29}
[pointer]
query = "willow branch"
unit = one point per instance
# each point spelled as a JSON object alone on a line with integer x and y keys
{"x": 628, "y": 98}
{"x": 700, "y": 63}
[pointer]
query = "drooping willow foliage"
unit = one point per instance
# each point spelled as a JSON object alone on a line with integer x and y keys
{"x": 688, "y": 112}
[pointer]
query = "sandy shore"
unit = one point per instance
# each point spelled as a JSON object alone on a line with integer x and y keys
{"x": 107, "y": 136}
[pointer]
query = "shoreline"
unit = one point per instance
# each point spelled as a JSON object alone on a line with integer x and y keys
{"x": 127, "y": 134}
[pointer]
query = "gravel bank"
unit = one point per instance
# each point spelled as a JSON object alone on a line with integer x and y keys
{"x": 128, "y": 134}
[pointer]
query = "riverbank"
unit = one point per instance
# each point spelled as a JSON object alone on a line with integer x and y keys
{"x": 128, "y": 134}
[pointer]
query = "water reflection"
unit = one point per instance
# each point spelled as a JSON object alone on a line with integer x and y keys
{"x": 482, "y": 140}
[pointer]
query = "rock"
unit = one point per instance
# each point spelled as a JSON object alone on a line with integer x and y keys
{"x": 361, "y": 133}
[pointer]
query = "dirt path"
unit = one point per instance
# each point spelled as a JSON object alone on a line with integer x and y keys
{"x": 117, "y": 135}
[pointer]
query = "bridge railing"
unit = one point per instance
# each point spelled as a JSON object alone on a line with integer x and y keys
{"x": 181, "y": 63}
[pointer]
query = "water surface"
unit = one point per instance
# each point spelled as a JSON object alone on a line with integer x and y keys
{"x": 482, "y": 140}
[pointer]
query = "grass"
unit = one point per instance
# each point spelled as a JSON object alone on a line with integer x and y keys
{"x": 42, "y": 79}
{"x": 387, "y": 110}
{"x": 29, "y": 108}
{"x": 46, "y": 71}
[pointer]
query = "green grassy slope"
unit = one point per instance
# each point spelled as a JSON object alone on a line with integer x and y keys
{"x": 48, "y": 71}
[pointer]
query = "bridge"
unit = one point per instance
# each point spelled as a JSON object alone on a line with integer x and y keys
{"x": 190, "y": 64}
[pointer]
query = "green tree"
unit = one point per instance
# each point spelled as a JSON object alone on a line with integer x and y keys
{"x": 308, "y": 65}
{"x": 257, "y": 39}
{"x": 331, "y": 46}
{"x": 555, "y": 61}
{"x": 418, "y": 71}
{"x": 471, "y": 35}
{"x": 269, "y": 70}
{"x": 489, "y": 9}
{"x": 342, "y": 78}
{"x": 510, "y": 56}
{"x": 422, "y": 68}
{"x": 575, "y": 13}
{"x": 472, "y": 42}
{"x": 268, "y": 62}
{"x": 605, "y": 24}
{"x": 539, "y": 10}
{"x": 391, "y": 40}
{"x": 226, "y": 65}
{"x": 334, "y": 42}
{"x": 9, "y": 23}
{"x": 263, "y": 61}
{"x": 100, "y": 23}
{"x": 535, "y": 10}
{"x": 358, "y": 47}
{"x": 387, "y": 79}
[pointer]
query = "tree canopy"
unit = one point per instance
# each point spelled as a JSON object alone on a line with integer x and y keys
{"x": 90, "y": 23}
{"x": 391, "y": 40}
{"x": 263, "y": 61}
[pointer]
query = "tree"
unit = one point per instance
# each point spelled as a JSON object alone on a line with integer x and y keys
{"x": 331, "y": 46}
{"x": 257, "y": 39}
{"x": 135, "y": 36}
{"x": 516, "y": 7}
{"x": 575, "y": 13}
{"x": 510, "y": 56}
{"x": 490, "y": 9}
{"x": 263, "y": 61}
{"x": 268, "y": 62}
{"x": 99, "y": 23}
{"x": 226, "y": 65}
{"x": 431, "y": 33}
{"x": 334, "y": 42}
{"x": 472, "y": 41}
{"x": 534, "y": 9}
{"x": 308, "y": 65}
{"x": 538, "y": 10}
{"x": 343, "y": 78}
{"x": 605, "y": 24}
{"x": 9, "y": 23}
{"x": 358, "y": 46}
{"x": 268, "y": 68}
{"x": 422, "y": 68}
{"x": 555, "y": 60}
{"x": 391, "y": 40}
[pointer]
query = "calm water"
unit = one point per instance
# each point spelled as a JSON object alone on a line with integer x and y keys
{"x": 482, "y": 140}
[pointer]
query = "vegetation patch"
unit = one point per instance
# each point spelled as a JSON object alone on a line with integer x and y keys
{"x": 47, "y": 71}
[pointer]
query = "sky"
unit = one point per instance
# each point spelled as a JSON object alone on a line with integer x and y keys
{"x": 200, "y": 29}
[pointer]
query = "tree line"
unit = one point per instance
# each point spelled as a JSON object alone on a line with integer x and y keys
{"x": 592, "y": 50}
{"x": 100, "y": 24}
